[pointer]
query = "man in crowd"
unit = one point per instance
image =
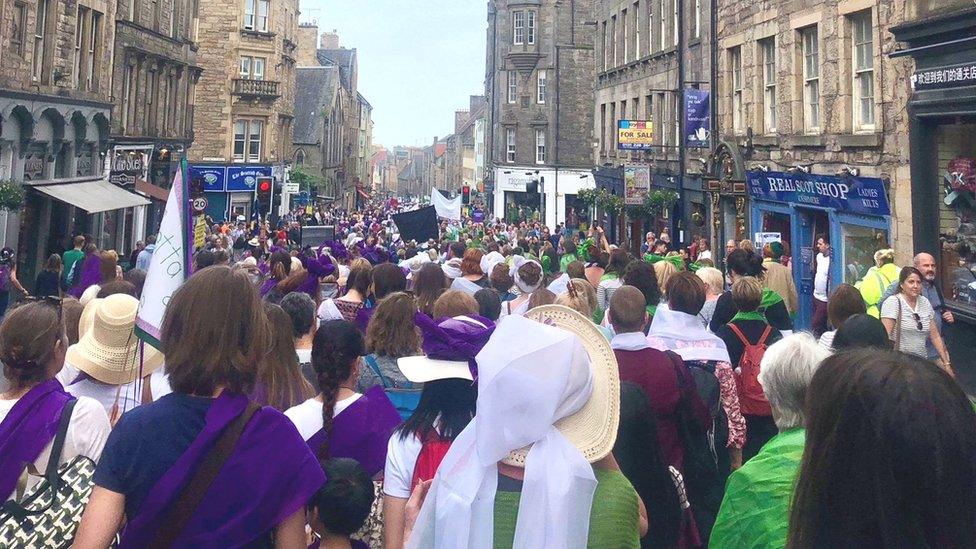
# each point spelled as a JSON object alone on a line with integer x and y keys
{"x": 71, "y": 258}
{"x": 821, "y": 286}
{"x": 779, "y": 277}
{"x": 145, "y": 256}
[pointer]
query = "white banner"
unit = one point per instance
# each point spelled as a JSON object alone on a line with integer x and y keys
{"x": 167, "y": 269}
{"x": 448, "y": 209}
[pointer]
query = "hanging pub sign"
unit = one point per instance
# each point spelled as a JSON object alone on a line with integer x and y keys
{"x": 697, "y": 118}
{"x": 939, "y": 78}
{"x": 858, "y": 195}
{"x": 129, "y": 163}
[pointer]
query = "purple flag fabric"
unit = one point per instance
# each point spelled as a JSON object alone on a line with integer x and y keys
{"x": 29, "y": 427}
{"x": 91, "y": 274}
{"x": 362, "y": 430}
{"x": 270, "y": 475}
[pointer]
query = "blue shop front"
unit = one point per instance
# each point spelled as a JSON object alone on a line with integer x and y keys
{"x": 229, "y": 189}
{"x": 852, "y": 212}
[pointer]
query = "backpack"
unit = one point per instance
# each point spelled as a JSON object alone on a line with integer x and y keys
{"x": 752, "y": 400}
{"x": 431, "y": 455}
{"x": 404, "y": 400}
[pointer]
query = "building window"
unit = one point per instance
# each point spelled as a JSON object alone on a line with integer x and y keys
{"x": 613, "y": 128}
{"x": 613, "y": 41}
{"x": 625, "y": 37}
{"x": 79, "y": 44}
{"x": 696, "y": 28}
{"x": 674, "y": 14}
{"x": 767, "y": 48}
{"x": 541, "y": 86}
{"x": 649, "y": 108}
{"x": 637, "y": 26}
{"x": 518, "y": 28}
{"x": 676, "y": 116}
{"x": 247, "y": 140}
{"x": 658, "y": 126}
{"x": 603, "y": 128}
{"x": 40, "y": 42}
{"x": 18, "y": 28}
{"x": 811, "y": 78}
{"x": 510, "y": 145}
{"x": 530, "y": 18}
{"x": 606, "y": 48}
{"x": 252, "y": 68}
{"x": 664, "y": 24}
{"x": 126, "y": 97}
{"x": 151, "y": 84}
{"x": 735, "y": 62}
{"x": 863, "y": 64}
{"x": 300, "y": 157}
{"x": 635, "y": 108}
{"x": 540, "y": 146}
{"x": 256, "y": 15}
{"x": 512, "y": 86}
{"x": 94, "y": 44}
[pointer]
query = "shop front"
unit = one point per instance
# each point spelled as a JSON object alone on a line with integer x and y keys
{"x": 527, "y": 194}
{"x": 229, "y": 189}
{"x": 797, "y": 208}
{"x": 942, "y": 138}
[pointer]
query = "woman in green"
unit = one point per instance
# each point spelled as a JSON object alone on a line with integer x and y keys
{"x": 512, "y": 478}
{"x": 755, "y": 511}
{"x": 877, "y": 279}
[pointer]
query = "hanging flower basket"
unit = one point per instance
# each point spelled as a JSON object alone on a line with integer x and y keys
{"x": 655, "y": 205}
{"x": 12, "y": 196}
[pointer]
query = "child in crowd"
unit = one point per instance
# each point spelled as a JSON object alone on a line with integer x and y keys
{"x": 341, "y": 505}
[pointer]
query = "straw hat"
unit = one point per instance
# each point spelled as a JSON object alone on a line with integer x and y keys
{"x": 592, "y": 429}
{"x": 108, "y": 349}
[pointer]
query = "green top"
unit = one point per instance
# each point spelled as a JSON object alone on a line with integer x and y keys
{"x": 651, "y": 309}
{"x": 71, "y": 257}
{"x": 609, "y": 276}
{"x": 613, "y": 517}
{"x": 565, "y": 260}
{"x": 751, "y": 315}
{"x": 755, "y": 512}
{"x": 769, "y": 298}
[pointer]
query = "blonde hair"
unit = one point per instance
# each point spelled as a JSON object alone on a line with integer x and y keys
{"x": 747, "y": 293}
{"x": 747, "y": 245}
{"x": 664, "y": 270}
{"x": 883, "y": 256}
{"x": 579, "y": 296}
{"x": 712, "y": 278}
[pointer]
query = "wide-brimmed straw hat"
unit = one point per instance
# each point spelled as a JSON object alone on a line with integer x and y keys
{"x": 593, "y": 428}
{"x": 109, "y": 350}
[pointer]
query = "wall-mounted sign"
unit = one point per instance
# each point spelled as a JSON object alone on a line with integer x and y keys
{"x": 213, "y": 177}
{"x": 244, "y": 178}
{"x": 637, "y": 183}
{"x": 84, "y": 164}
{"x": 635, "y": 135}
{"x": 34, "y": 166}
{"x": 697, "y": 118}
{"x": 859, "y": 195}
{"x": 127, "y": 163}
{"x": 952, "y": 76}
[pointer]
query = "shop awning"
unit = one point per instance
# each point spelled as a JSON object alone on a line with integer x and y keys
{"x": 93, "y": 196}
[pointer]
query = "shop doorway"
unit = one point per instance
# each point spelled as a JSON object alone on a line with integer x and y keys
{"x": 810, "y": 225}
{"x": 521, "y": 206}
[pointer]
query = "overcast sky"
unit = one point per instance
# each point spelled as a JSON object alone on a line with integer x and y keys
{"x": 419, "y": 60}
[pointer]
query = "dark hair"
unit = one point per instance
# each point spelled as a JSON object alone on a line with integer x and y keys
{"x": 280, "y": 265}
{"x": 489, "y": 304}
{"x": 454, "y": 303}
{"x": 844, "y": 302}
{"x": 336, "y": 348}
{"x": 214, "y": 333}
{"x": 501, "y": 278}
{"x": 686, "y": 293}
{"x": 569, "y": 247}
{"x": 282, "y": 384}
{"x": 907, "y": 272}
{"x": 619, "y": 259}
{"x": 448, "y": 402}
{"x": 745, "y": 263}
{"x": 391, "y": 331}
{"x": 28, "y": 337}
{"x": 203, "y": 259}
{"x": 71, "y": 310}
{"x": 137, "y": 277}
{"x": 344, "y": 502}
{"x": 387, "y": 278}
{"x": 628, "y": 310}
{"x": 53, "y": 263}
{"x": 360, "y": 277}
{"x": 822, "y": 236}
{"x": 457, "y": 249}
{"x": 428, "y": 284}
{"x": 576, "y": 269}
{"x": 638, "y": 453}
{"x": 301, "y": 309}
{"x": 890, "y": 456}
{"x": 861, "y": 330}
{"x": 642, "y": 276}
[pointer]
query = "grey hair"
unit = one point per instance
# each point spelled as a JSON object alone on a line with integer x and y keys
{"x": 785, "y": 373}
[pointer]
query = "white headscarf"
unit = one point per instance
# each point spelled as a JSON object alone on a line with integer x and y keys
{"x": 452, "y": 269}
{"x": 684, "y": 334}
{"x": 530, "y": 376}
{"x": 489, "y": 260}
{"x": 560, "y": 285}
{"x": 523, "y": 286}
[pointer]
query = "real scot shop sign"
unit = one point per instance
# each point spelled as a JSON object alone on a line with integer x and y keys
{"x": 859, "y": 195}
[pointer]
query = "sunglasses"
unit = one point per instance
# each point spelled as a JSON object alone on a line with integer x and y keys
{"x": 47, "y": 299}
{"x": 918, "y": 321}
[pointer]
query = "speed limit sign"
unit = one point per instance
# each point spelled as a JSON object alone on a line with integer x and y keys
{"x": 199, "y": 204}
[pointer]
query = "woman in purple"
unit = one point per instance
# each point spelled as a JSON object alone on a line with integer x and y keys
{"x": 214, "y": 335}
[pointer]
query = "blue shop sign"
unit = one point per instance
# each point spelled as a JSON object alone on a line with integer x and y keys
{"x": 213, "y": 177}
{"x": 857, "y": 195}
{"x": 244, "y": 178}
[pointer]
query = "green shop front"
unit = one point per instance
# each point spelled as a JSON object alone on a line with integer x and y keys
{"x": 852, "y": 212}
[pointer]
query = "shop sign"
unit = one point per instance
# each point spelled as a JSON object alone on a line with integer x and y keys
{"x": 244, "y": 178}
{"x": 697, "y": 118}
{"x": 213, "y": 177}
{"x": 129, "y": 163}
{"x": 637, "y": 183}
{"x": 939, "y": 78}
{"x": 635, "y": 135}
{"x": 858, "y": 195}
{"x": 34, "y": 166}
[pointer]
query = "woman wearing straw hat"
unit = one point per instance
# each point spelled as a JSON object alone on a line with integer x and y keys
{"x": 534, "y": 467}
{"x": 109, "y": 363}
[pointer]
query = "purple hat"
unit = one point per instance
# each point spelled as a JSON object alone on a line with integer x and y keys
{"x": 450, "y": 346}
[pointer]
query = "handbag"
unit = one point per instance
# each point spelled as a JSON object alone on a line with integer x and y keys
{"x": 404, "y": 400}
{"x": 897, "y": 329}
{"x": 48, "y": 515}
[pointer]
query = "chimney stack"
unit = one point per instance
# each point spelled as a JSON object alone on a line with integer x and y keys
{"x": 308, "y": 37}
{"x": 330, "y": 40}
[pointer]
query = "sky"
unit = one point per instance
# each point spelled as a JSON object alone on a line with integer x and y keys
{"x": 419, "y": 60}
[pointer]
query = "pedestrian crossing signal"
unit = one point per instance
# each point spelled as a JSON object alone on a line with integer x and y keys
{"x": 265, "y": 190}
{"x": 465, "y": 195}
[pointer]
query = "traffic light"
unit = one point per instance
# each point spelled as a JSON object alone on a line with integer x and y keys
{"x": 465, "y": 195}
{"x": 265, "y": 190}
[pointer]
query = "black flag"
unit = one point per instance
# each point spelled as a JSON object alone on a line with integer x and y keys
{"x": 419, "y": 225}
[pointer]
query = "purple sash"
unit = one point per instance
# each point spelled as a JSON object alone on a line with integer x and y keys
{"x": 28, "y": 429}
{"x": 270, "y": 475}
{"x": 362, "y": 430}
{"x": 91, "y": 274}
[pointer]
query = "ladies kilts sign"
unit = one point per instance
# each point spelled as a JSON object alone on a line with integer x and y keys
{"x": 858, "y": 195}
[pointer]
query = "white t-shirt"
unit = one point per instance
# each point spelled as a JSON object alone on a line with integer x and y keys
{"x": 401, "y": 460}
{"x": 820, "y": 279}
{"x": 307, "y": 416}
{"x": 304, "y": 356}
{"x": 127, "y": 396}
{"x": 912, "y": 338}
{"x": 87, "y": 432}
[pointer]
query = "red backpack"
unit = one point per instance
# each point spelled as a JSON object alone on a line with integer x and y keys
{"x": 752, "y": 400}
{"x": 431, "y": 454}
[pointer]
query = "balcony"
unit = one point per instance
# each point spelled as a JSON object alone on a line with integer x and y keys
{"x": 256, "y": 89}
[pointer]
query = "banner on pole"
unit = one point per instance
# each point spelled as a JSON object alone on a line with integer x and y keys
{"x": 448, "y": 209}
{"x": 697, "y": 118}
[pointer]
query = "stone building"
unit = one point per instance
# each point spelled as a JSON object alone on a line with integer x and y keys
{"x": 539, "y": 89}
{"x": 814, "y": 127}
{"x": 55, "y": 112}
{"x": 154, "y": 77}
{"x": 244, "y": 104}
{"x": 363, "y": 172}
{"x": 637, "y": 78}
{"x": 318, "y": 137}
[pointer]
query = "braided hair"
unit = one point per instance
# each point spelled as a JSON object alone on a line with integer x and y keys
{"x": 336, "y": 348}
